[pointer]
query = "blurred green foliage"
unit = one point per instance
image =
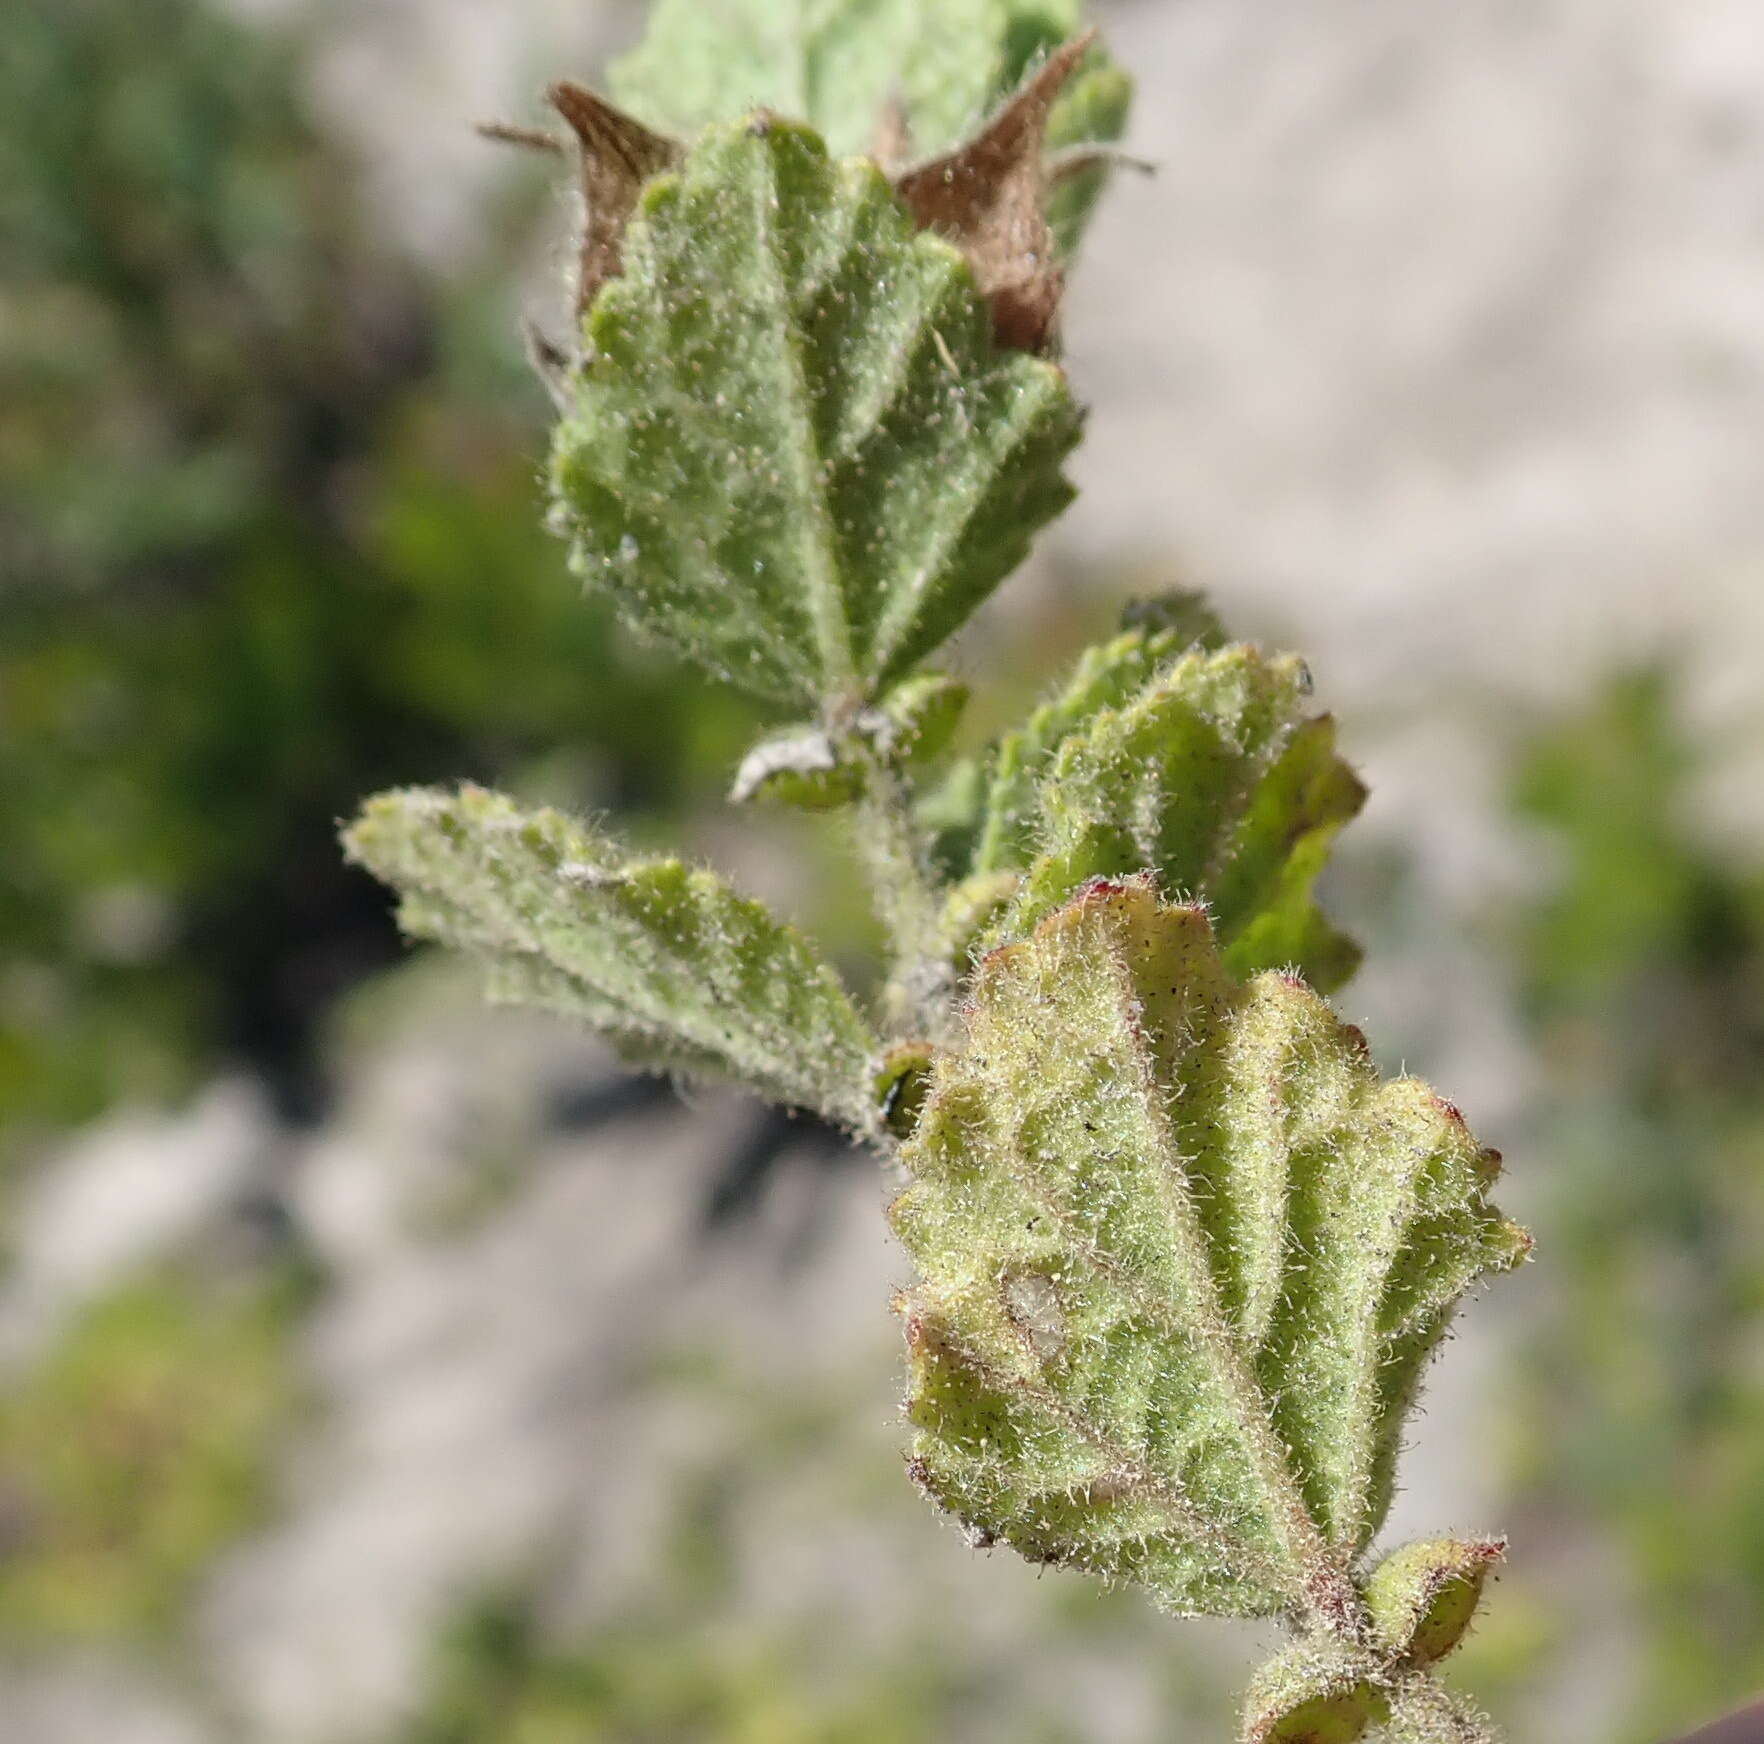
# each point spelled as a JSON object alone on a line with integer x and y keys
{"x": 665, "y": 1680}
{"x": 1642, "y": 975}
{"x": 688, "y": 1657}
{"x": 269, "y": 538}
{"x": 137, "y": 1448}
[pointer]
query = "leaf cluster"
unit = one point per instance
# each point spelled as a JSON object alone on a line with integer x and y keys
{"x": 1182, "y": 1252}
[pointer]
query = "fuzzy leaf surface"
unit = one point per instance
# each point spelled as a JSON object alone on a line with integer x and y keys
{"x": 842, "y": 65}
{"x": 1183, "y": 1255}
{"x": 793, "y": 453}
{"x": 1421, "y": 1598}
{"x": 1313, "y": 1694}
{"x": 1106, "y": 677}
{"x": 1213, "y": 777}
{"x": 671, "y": 964}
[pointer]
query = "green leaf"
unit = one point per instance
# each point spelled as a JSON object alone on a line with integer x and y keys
{"x": 801, "y": 766}
{"x": 841, "y": 65}
{"x": 949, "y": 813}
{"x": 1106, "y": 677}
{"x": 668, "y": 962}
{"x": 793, "y": 452}
{"x": 1184, "y": 611}
{"x": 1315, "y": 1694}
{"x": 1423, "y": 1711}
{"x": 1422, "y": 1597}
{"x": 1212, "y": 777}
{"x": 901, "y": 1084}
{"x": 810, "y": 767}
{"x": 1183, "y": 1257}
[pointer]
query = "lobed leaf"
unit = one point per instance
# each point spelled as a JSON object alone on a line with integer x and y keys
{"x": 1210, "y": 775}
{"x": 792, "y": 451}
{"x": 858, "y": 70}
{"x": 982, "y": 814}
{"x": 1183, "y": 1256}
{"x": 1106, "y": 677}
{"x": 671, "y": 964}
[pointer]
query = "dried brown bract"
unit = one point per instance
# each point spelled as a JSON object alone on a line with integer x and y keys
{"x": 989, "y": 197}
{"x": 618, "y": 154}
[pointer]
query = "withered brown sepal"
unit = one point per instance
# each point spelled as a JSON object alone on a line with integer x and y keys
{"x": 615, "y": 154}
{"x": 989, "y": 197}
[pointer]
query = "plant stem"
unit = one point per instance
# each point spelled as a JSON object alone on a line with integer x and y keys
{"x": 893, "y": 855}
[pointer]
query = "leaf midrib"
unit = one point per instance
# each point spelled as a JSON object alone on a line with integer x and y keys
{"x": 1157, "y": 1311}
{"x": 1140, "y": 1480}
{"x": 1312, "y": 1564}
{"x": 1367, "y": 1405}
{"x": 819, "y": 548}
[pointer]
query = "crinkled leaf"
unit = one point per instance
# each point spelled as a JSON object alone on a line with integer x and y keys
{"x": 793, "y": 452}
{"x": 1106, "y": 676}
{"x": 1212, "y": 777}
{"x": 674, "y": 966}
{"x": 982, "y": 815}
{"x": 1183, "y": 1256}
{"x": 844, "y": 65}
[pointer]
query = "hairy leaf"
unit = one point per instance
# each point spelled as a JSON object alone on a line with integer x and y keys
{"x": 1315, "y": 1694}
{"x": 1106, "y": 676}
{"x": 1422, "y": 1597}
{"x": 793, "y": 452}
{"x": 1212, "y": 777}
{"x": 982, "y": 814}
{"x": 856, "y": 70}
{"x": 668, "y": 962}
{"x": 1183, "y": 1257}
{"x": 809, "y": 766}
{"x": 1423, "y": 1711}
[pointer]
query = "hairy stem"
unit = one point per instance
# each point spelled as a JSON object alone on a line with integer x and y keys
{"x": 904, "y": 895}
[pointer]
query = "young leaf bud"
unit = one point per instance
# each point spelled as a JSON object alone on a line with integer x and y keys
{"x": 1423, "y": 1596}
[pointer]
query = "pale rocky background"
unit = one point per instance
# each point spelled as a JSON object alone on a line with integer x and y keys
{"x": 1434, "y": 346}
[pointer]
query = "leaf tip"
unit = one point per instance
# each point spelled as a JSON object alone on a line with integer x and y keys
{"x": 1422, "y": 1598}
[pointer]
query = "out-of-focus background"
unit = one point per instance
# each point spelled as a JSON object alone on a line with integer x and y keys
{"x": 378, "y": 1370}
